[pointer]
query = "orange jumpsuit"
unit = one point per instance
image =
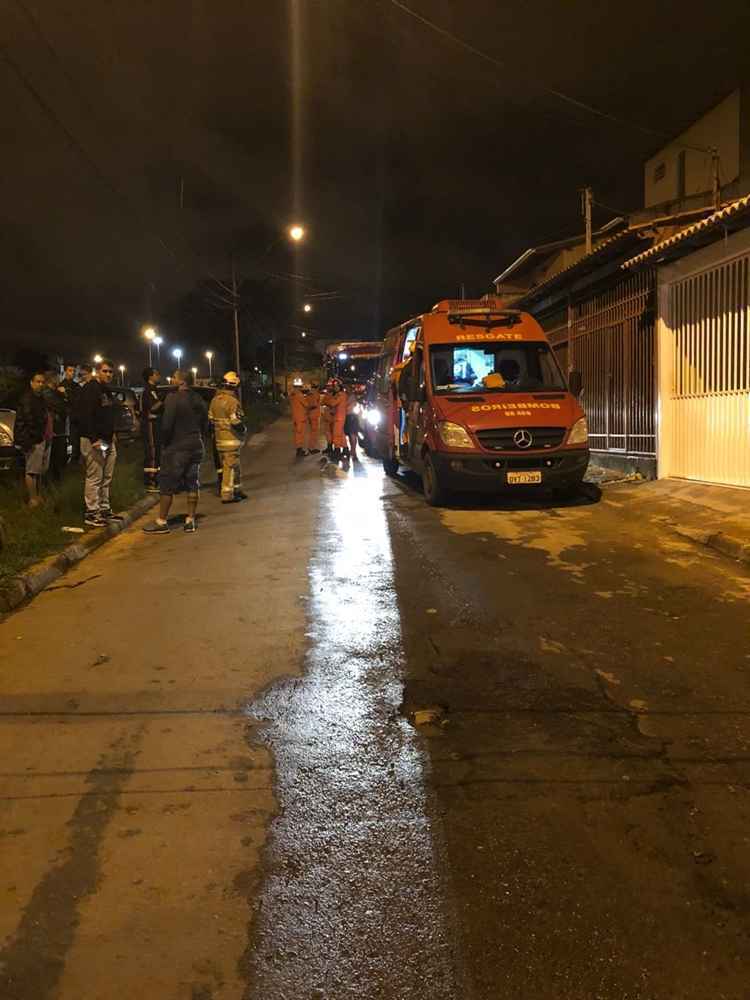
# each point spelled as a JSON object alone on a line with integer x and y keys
{"x": 334, "y": 416}
{"x": 298, "y": 404}
{"x": 312, "y": 401}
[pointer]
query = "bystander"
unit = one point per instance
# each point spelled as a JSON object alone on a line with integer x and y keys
{"x": 33, "y": 435}
{"x": 72, "y": 390}
{"x": 184, "y": 429}
{"x": 96, "y": 417}
{"x": 151, "y": 414}
{"x": 57, "y": 405}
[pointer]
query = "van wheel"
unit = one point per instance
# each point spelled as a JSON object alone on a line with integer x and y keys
{"x": 434, "y": 492}
{"x": 390, "y": 465}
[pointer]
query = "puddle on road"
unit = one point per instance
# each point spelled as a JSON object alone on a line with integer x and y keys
{"x": 351, "y": 905}
{"x": 561, "y": 539}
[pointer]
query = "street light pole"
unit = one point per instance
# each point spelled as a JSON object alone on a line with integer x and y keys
{"x": 236, "y": 330}
{"x": 273, "y": 369}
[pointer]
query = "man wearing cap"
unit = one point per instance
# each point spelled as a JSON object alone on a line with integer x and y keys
{"x": 228, "y": 420}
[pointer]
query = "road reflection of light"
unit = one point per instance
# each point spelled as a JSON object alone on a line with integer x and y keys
{"x": 353, "y": 826}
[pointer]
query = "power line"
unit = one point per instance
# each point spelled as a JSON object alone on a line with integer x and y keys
{"x": 589, "y": 108}
{"x": 74, "y": 143}
{"x": 72, "y": 82}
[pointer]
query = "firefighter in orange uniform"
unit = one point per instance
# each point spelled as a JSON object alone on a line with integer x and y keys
{"x": 333, "y": 402}
{"x": 298, "y": 405}
{"x": 313, "y": 419}
{"x": 326, "y": 416}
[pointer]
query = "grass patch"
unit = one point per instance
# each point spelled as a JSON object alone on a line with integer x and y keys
{"x": 34, "y": 534}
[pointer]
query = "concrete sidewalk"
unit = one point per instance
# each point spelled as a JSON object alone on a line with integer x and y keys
{"x": 715, "y": 516}
{"x": 134, "y": 801}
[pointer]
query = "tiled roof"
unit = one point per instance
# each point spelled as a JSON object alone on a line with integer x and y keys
{"x": 716, "y": 220}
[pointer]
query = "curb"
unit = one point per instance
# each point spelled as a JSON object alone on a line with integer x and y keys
{"x": 37, "y": 578}
{"x": 727, "y": 545}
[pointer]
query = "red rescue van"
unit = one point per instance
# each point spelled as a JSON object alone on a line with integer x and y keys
{"x": 471, "y": 397}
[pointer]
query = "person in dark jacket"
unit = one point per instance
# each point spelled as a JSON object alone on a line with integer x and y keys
{"x": 96, "y": 414}
{"x": 151, "y": 413}
{"x": 33, "y": 435}
{"x": 71, "y": 388}
{"x": 57, "y": 405}
{"x": 184, "y": 427}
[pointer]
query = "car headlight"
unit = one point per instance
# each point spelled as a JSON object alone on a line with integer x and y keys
{"x": 454, "y": 435}
{"x": 579, "y": 432}
{"x": 373, "y": 418}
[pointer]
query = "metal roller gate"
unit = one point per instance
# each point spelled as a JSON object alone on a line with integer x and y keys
{"x": 705, "y": 382}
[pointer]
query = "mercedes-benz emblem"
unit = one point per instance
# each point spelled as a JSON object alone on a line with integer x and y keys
{"x": 522, "y": 439}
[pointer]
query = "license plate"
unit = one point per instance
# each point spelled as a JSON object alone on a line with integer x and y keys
{"x": 524, "y": 478}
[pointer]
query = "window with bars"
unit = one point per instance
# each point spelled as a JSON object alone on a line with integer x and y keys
{"x": 711, "y": 334}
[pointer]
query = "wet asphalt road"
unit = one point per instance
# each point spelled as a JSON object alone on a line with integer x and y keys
{"x": 234, "y": 804}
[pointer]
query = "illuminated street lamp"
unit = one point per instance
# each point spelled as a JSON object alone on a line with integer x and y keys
{"x": 210, "y": 356}
{"x": 158, "y": 341}
{"x": 297, "y": 233}
{"x": 122, "y": 369}
{"x": 98, "y": 359}
{"x": 177, "y": 353}
{"x": 307, "y": 307}
{"x": 150, "y": 334}
{"x": 304, "y": 333}
{"x": 195, "y": 372}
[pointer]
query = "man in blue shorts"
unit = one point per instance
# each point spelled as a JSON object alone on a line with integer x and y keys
{"x": 183, "y": 430}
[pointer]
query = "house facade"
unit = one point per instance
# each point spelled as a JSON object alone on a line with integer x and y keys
{"x": 669, "y": 279}
{"x": 702, "y": 341}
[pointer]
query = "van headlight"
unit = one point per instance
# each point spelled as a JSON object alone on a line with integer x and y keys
{"x": 454, "y": 435}
{"x": 579, "y": 432}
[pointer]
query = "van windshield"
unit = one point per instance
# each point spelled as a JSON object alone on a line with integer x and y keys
{"x": 494, "y": 367}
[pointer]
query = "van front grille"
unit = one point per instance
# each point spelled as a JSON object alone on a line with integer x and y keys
{"x": 501, "y": 438}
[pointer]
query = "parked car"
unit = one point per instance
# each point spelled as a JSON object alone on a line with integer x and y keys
{"x": 11, "y": 458}
{"x": 127, "y": 423}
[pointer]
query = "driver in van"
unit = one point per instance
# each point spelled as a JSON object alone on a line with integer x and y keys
{"x": 442, "y": 371}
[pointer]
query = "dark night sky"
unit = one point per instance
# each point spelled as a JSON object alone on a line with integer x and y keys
{"x": 420, "y": 165}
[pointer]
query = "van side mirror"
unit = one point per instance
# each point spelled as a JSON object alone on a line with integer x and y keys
{"x": 575, "y": 382}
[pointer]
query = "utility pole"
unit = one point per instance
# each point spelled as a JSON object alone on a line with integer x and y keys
{"x": 715, "y": 177}
{"x": 236, "y": 329}
{"x": 586, "y": 203}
